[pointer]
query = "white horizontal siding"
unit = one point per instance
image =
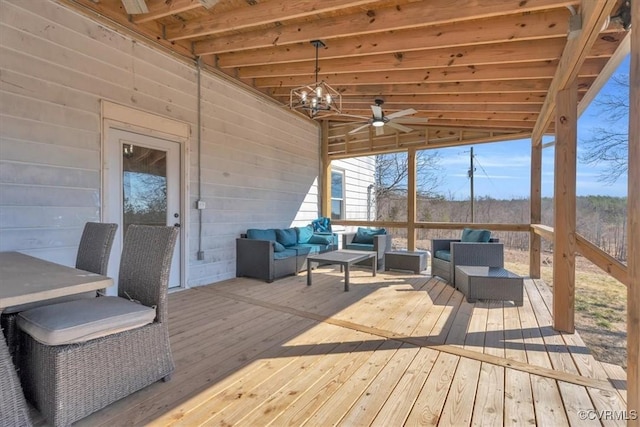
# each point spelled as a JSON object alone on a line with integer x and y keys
{"x": 359, "y": 174}
{"x": 259, "y": 162}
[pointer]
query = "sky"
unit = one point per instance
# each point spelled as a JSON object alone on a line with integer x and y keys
{"x": 503, "y": 169}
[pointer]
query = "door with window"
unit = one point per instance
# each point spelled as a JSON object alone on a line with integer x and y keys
{"x": 143, "y": 187}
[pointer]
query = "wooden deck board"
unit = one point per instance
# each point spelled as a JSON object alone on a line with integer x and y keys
{"x": 398, "y": 349}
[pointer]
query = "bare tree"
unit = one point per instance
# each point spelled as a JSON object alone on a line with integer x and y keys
{"x": 392, "y": 171}
{"x": 608, "y": 145}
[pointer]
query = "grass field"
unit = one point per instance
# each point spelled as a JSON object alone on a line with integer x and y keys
{"x": 601, "y": 305}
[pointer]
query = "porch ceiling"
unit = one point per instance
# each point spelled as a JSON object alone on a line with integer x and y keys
{"x": 485, "y": 67}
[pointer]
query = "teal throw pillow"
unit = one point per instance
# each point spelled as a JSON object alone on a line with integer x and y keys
{"x": 304, "y": 233}
{"x": 320, "y": 240}
{"x": 475, "y": 236}
{"x": 365, "y": 235}
{"x": 268, "y": 234}
{"x": 287, "y": 237}
{"x": 277, "y": 247}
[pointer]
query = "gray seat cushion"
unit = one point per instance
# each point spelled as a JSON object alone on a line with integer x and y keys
{"x": 36, "y": 304}
{"x": 83, "y": 320}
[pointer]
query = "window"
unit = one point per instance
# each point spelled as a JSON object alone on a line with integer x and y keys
{"x": 337, "y": 194}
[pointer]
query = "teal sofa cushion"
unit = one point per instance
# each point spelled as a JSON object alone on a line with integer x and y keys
{"x": 475, "y": 236}
{"x": 365, "y": 235}
{"x": 311, "y": 248}
{"x": 360, "y": 246}
{"x": 278, "y": 247}
{"x": 304, "y": 234}
{"x": 287, "y": 237}
{"x": 443, "y": 255}
{"x": 320, "y": 240}
{"x": 268, "y": 234}
{"x": 285, "y": 254}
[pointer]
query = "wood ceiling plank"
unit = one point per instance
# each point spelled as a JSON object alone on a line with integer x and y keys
{"x": 428, "y": 108}
{"x": 461, "y": 115}
{"x": 498, "y": 53}
{"x": 261, "y": 13}
{"x": 518, "y": 71}
{"x": 486, "y": 99}
{"x": 490, "y": 30}
{"x": 594, "y": 15}
{"x": 418, "y": 14}
{"x": 161, "y": 8}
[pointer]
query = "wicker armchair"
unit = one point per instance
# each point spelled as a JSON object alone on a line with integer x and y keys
{"x": 93, "y": 255}
{"x": 13, "y": 408}
{"x": 464, "y": 253}
{"x": 69, "y": 381}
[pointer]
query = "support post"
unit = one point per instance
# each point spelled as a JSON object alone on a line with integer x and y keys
{"x": 325, "y": 172}
{"x": 535, "y": 241}
{"x": 633, "y": 224}
{"x": 564, "y": 212}
{"x": 411, "y": 200}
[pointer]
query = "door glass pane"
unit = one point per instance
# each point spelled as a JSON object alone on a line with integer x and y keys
{"x": 144, "y": 186}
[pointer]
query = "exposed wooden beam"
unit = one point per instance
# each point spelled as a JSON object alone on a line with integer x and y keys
{"x": 535, "y": 243}
{"x": 497, "y": 53}
{"x": 161, "y": 8}
{"x": 491, "y": 30}
{"x": 564, "y": 210}
{"x": 411, "y": 199}
{"x": 416, "y": 14}
{"x": 633, "y": 233}
{"x": 261, "y": 13}
{"x": 594, "y": 15}
{"x": 493, "y": 72}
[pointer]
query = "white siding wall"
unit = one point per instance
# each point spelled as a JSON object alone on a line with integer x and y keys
{"x": 259, "y": 162}
{"x": 359, "y": 174}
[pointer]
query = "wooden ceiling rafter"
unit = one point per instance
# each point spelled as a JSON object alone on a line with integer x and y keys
{"x": 488, "y": 64}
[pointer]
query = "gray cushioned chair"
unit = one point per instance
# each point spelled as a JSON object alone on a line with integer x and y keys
{"x": 93, "y": 255}
{"x": 366, "y": 239}
{"x": 447, "y": 253}
{"x": 102, "y": 349}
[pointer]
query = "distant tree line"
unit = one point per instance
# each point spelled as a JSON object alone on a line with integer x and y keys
{"x": 600, "y": 219}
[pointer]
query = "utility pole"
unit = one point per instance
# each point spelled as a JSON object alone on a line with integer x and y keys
{"x": 471, "y": 171}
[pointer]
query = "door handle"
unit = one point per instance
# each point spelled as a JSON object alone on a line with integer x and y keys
{"x": 176, "y": 224}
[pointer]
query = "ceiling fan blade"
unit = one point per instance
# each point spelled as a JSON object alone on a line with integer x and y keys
{"x": 412, "y": 120}
{"x": 354, "y": 116}
{"x": 379, "y": 130}
{"x": 359, "y": 128}
{"x": 399, "y": 127}
{"x": 401, "y": 113}
{"x": 377, "y": 111}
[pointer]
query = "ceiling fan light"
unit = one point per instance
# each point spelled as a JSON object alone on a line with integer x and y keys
{"x": 377, "y": 123}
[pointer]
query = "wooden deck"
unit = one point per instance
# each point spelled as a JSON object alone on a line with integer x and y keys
{"x": 397, "y": 349}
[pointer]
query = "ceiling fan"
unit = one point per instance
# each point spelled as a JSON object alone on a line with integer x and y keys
{"x": 379, "y": 119}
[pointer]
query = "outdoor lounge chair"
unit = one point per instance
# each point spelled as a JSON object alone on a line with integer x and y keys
{"x": 79, "y": 356}
{"x": 475, "y": 247}
{"x": 93, "y": 255}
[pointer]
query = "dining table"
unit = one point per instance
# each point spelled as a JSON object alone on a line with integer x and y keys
{"x": 26, "y": 279}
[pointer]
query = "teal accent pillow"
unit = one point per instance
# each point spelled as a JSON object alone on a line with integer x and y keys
{"x": 304, "y": 233}
{"x": 268, "y": 234}
{"x": 287, "y": 236}
{"x": 443, "y": 254}
{"x": 365, "y": 235}
{"x": 320, "y": 240}
{"x": 277, "y": 247}
{"x": 475, "y": 236}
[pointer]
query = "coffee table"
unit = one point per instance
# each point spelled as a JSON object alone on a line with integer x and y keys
{"x": 343, "y": 257}
{"x": 492, "y": 283}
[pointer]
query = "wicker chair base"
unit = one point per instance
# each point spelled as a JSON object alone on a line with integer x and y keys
{"x": 9, "y": 325}
{"x": 441, "y": 268}
{"x": 68, "y": 382}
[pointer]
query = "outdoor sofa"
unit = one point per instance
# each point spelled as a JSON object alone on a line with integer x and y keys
{"x": 272, "y": 253}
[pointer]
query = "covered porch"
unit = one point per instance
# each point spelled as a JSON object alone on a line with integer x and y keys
{"x": 397, "y": 349}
